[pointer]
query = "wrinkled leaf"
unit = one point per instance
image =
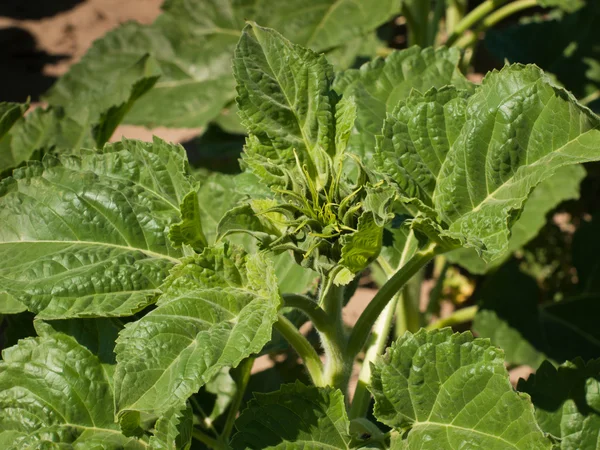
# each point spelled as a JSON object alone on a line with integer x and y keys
{"x": 380, "y": 85}
{"x": 452, "y": 391}
{"x": 216, "y": 309}
{"x": 52, "y": 390}
{"x": 296, "y": 416}
{"x": 86, "y": 235}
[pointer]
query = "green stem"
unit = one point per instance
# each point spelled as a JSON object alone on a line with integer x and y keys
{"x": 456, "y": 318}
{"x": 241, "y": 376}
{"x": 306, "y": 351}
{"x": 455, "y": 11}
{"x": 441, "y": 266}
{"x": 472, "y": 18}
{"x": 365, "y": 322}
{"x": 334, "y": 339}
{"x": 379, "y": 335}
{"x": 199, "y": 435}
{"x": 319, "y": 318}
{"x": 468, "y": 40}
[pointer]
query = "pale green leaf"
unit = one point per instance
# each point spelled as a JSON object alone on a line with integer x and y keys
{"x": 295, "y": 417}
{"x": 452, "y": 391}
{"x": 86, "y": 235}
{"x": 567, "y": 402}
{"x": 216, "y": 309}
{"x": 562, "y": 186}
{"x": 10, "y": 305}
{"x": 54, "y": 393}
{"x": 380, "y": 85}
{"x": 193, "y": 43}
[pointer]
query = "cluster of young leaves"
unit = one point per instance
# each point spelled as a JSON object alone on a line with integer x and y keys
{"x": 124, "y": 237}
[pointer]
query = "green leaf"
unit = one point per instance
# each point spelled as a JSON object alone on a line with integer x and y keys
{"x": 514, "y": 132}
{"x": 189, "y": 230}
{"x": 285, "y": 102}
{"x": 567, "y": 401}
{"x": 562, "y": 186}
{"x": 9, "y": 114}
{"x": 216, "y": 309}
{"x": 193, "y": 43}
{"x": 362, "y": 247}
{"x": 512, "y": 317}
{"x": 452, "y": 391}
{"x": 85, "y": 117}
{"x": 296, "y": 416}
{"x": 10, "y": 305}
{"x": 86, "y": 235}
{"x": 380, "y": 85}
{"x": 173, "y": 431}
{"x": 54, "y": 392}
{"x": 558, "y": 43}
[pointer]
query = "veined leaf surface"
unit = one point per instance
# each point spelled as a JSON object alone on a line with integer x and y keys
{"x": 380, "y": 85}
{"x": 295, "y": 417}
{"x": 86, "y": 235}
{"x": 452, "y": 391}
{"x": 491, "y": 149}
{"x": 216, "y": 309}
{"x": 54, "y": 392}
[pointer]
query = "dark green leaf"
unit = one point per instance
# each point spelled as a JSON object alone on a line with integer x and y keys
{"x": 295, "y": 417}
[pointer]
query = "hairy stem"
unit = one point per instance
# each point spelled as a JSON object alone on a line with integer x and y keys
{"x": 472, "y": 18}
{"x": 468, "y": 40}
{"x": 334, "y": 339}
{"x": 365, "y": 322}
{"x": 379, "y": 335}
{"x": 311, "y": 359}
{"x": 457, "y": 317}
{"x": 317, "y": 315}
{"x": 241, "y": 376}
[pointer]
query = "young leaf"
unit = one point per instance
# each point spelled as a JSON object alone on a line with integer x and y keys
{"x": 380, "y": 85}
{"x": 216, "y": 309}
{"x": 296, "y": 416}
{"x": 567, "y": 402}
{"x": 54, "y": 391}
{"x": 285, "y": 102}
{"x": 450, "y": 391}
{"x": 86, "y": 236}
{"x": 516, "y": 130}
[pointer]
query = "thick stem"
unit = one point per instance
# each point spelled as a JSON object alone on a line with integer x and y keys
{"x": 241, "y": 376}
{"x": 365, "y": 322}
{"x": 472, "y": 18}
{"x": 456, "y": 318}
{"x": 470, "y": 39}
{"x": 379, "y": 335}
{"x": 311, "y": 359}
{"x": 334, "y": 339}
